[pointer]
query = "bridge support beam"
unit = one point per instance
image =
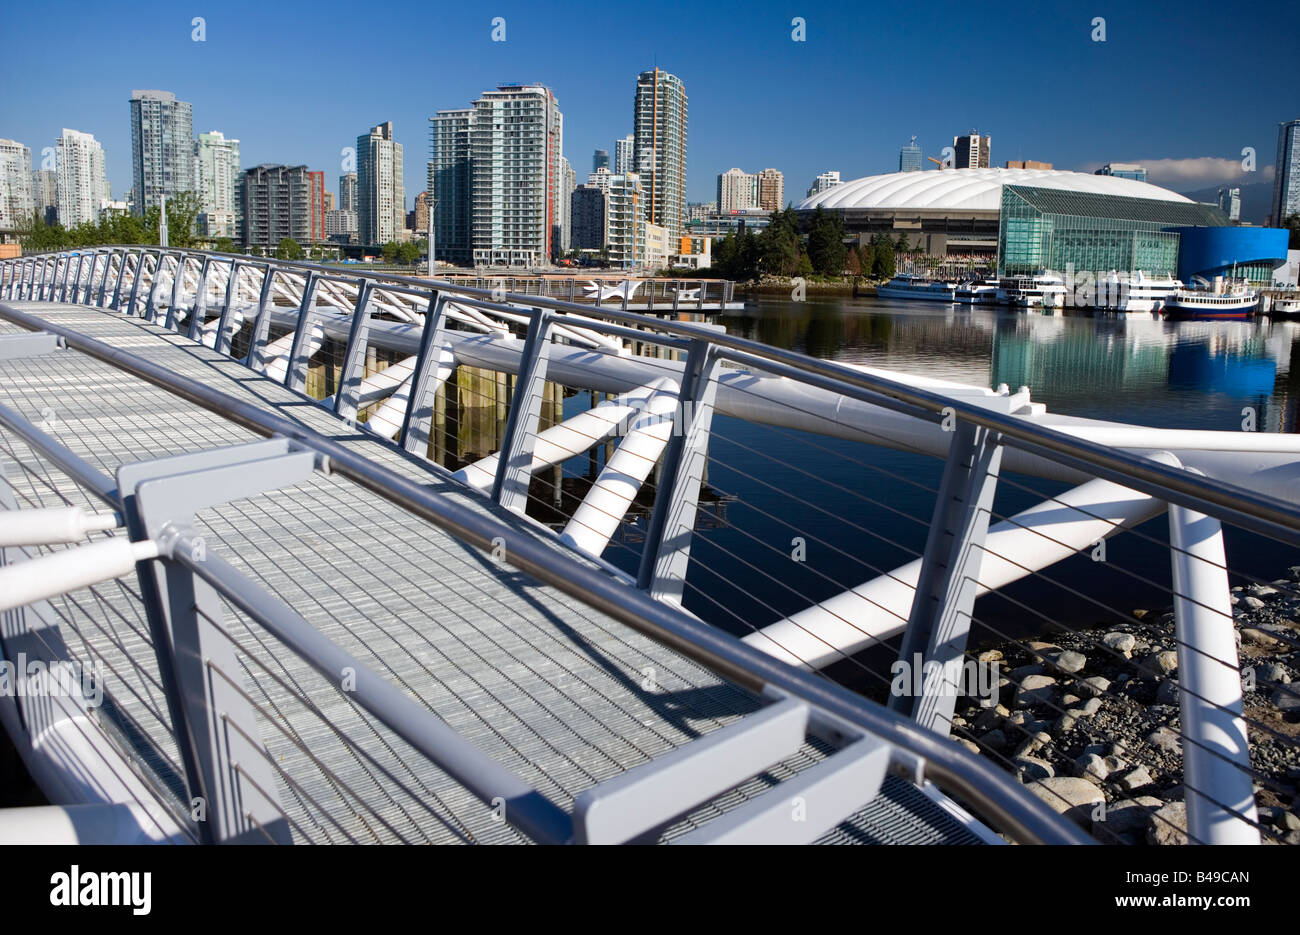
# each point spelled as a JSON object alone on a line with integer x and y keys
{"x": 256, "y": 359}
{"x": 939, "y": 623}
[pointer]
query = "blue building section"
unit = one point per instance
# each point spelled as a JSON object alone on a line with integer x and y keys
{"x": 1213, "y": 251}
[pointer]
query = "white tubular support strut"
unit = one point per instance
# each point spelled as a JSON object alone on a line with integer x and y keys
{"x": 1028, "y": 542}
{"x": 48, "y": 525}
{"x": 58, "y": 573}
{"x": 572, "y": 436}
{"x": 600, "y": 512}
{"x": 1217, "y": 782}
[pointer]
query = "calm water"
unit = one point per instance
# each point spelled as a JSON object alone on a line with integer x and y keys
{"x": 863, "y": 510}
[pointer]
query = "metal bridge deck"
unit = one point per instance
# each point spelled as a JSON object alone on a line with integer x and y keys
{"x": 547, "y": 686}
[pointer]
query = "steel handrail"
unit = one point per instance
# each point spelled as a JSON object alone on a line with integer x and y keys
{"x": 1260, "y": 513}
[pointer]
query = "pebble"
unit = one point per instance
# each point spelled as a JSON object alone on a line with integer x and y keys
{"x": 1256, "y": 637}
{"x": 1068, "y": 794}
{"x": 1070, "y": 661}
{"x": 1168, "y": 825}
{"x": 1162, "y": 738}
{"x": 1095, "y": 685}
{"x": 1127, "y": 816}
{"x": 1286, "y": 700}
{"x": 1092, "y": 767}
{"x": 1271, "y": 673}
{"x": 1167, "y": 693}
{"x": 1166, "y": 661}
{"x": 1134, "y": 779}
{"x": 1120, "y": 642}
{"x": 1251, "y": 603}
{"x": 1262, "y": 590}
{"x": 1036, "y": 689}
{"x": 1032, "y": 769}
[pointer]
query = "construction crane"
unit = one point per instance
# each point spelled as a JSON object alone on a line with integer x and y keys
{"x": 935, "y": 161}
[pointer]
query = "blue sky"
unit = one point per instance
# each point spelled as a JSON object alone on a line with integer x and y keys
{"x": 1183, "y": 86}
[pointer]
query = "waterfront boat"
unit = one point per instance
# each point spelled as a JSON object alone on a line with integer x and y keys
{"x": 1133, "y": 293}
{"x": 1044, "y": 290}
{"x": 1210, "y": 305}
{"x": 907, "y": 286}
{"x": 1287, "y": 306}
{"x": 977, "y": 292}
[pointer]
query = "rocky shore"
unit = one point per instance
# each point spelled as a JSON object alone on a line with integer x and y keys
{"x": 1090, "y": 722}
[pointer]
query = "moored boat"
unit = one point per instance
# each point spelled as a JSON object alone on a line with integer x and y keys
{"x": 1211, "y": 305}
{"x": 907, "y": 286}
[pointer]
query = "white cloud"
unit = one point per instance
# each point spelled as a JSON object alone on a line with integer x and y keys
{"x": 1195, "y": 173}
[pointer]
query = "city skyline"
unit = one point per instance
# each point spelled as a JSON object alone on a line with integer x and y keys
{"x": 733, "y": 114}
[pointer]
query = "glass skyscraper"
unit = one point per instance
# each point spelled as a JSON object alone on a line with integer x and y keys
{"x": 909, "y": 157}
{"x": 659, "y": 155}
{"x": 1286, "y": 178}
{"x": 162, "y": 147}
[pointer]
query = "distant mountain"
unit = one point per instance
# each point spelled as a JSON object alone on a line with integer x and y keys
{"x": 1256, "y": 200}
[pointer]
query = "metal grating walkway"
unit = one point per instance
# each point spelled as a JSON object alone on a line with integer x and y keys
{"x": 549, "y": 688}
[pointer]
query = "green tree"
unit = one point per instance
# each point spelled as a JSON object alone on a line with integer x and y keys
{"x": 826, "y": 246}
{"x": 866, "y": 258}
{"x": 883, "y": 263}
{"x": 805, "y": 267}
{"x": 289, "y": 249}
{"x": 225, "y": 245}
{"x": 779, "y": 245}
{"x": 408, "y": 253}
{"x": 389, "y": 251}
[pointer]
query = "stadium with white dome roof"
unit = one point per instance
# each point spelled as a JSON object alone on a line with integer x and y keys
{"x": 1029, "y": 219}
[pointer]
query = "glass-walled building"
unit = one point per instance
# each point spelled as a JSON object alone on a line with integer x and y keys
{"x": 1056, "y": 229}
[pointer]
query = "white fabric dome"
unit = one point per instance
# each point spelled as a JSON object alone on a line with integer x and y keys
{"x": 971, "y": 189}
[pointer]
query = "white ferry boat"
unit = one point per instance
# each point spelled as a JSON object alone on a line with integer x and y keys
{"x": 1045, "y": 290}
{"x": 980, "y": 292}
{"x": 907, "y": 286}
{"x": 1133, "y": 293}
{"x": 1211, "y": 304}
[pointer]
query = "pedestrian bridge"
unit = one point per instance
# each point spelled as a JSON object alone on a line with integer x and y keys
{"x": 244, "y": 601}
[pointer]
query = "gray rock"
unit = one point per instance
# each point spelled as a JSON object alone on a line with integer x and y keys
{"x": 1068, "y": 795}
{"x": 1251, "y": 603}
{"x": 1253, "y": 636}
{"x": 1071, "y": 701}
{"x": 1168, "y": 825}
{"x": 1091, "y": 707}
{"x": 1031, "y": 769}
{"x": 995, "y": 739}
{"x": 1120, "y": 642}
{"x": 1162, "y": 738}
{"x": 1036, "y": 689}
{"x": 1115, "y": 763}
{"x": 1092, "y": 768}
{"x": 1271, "y": 673}
{"x": 1167, "y": 693}
{"x": 1067, "y": 721}
{"x": 1166, "y": 661}
{"x": 1134, "y": 779}
{"x": 990, "y": 719}
{"x": 1020, "y": 673}
{"x": 1034, "y": 744}
{"x": 1286, "y": 700}
{"x": 1128, "y": 815}
{"x": 1262, "y": 590}
{"x": 1093, "y": 686}
{"x": 970, "y": 745}
{"x": 1070, "y": 661}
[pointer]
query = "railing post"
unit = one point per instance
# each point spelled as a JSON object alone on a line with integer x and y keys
{"x": 63, "y": 280}
{"x": 155, "y": 286}
{"x": 136, "y": 277}
{"x": 665, "y": 557}
{"x": 418, "y": 420}
{"x": 229, "y": 776}
{"x": 295, "y": 374}
{"x": 1217, "y": 784}
{"x": 224, "y": 338}
{"x": 261, "y": 324}
{"x": 103, "y": 279}
{"x": 199, "y": 310}
{"x": 178, "y": 281}
{"x": 940, "y": 619}
{"x": 514, "y": 465}
{"x": 354, "y": 355}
